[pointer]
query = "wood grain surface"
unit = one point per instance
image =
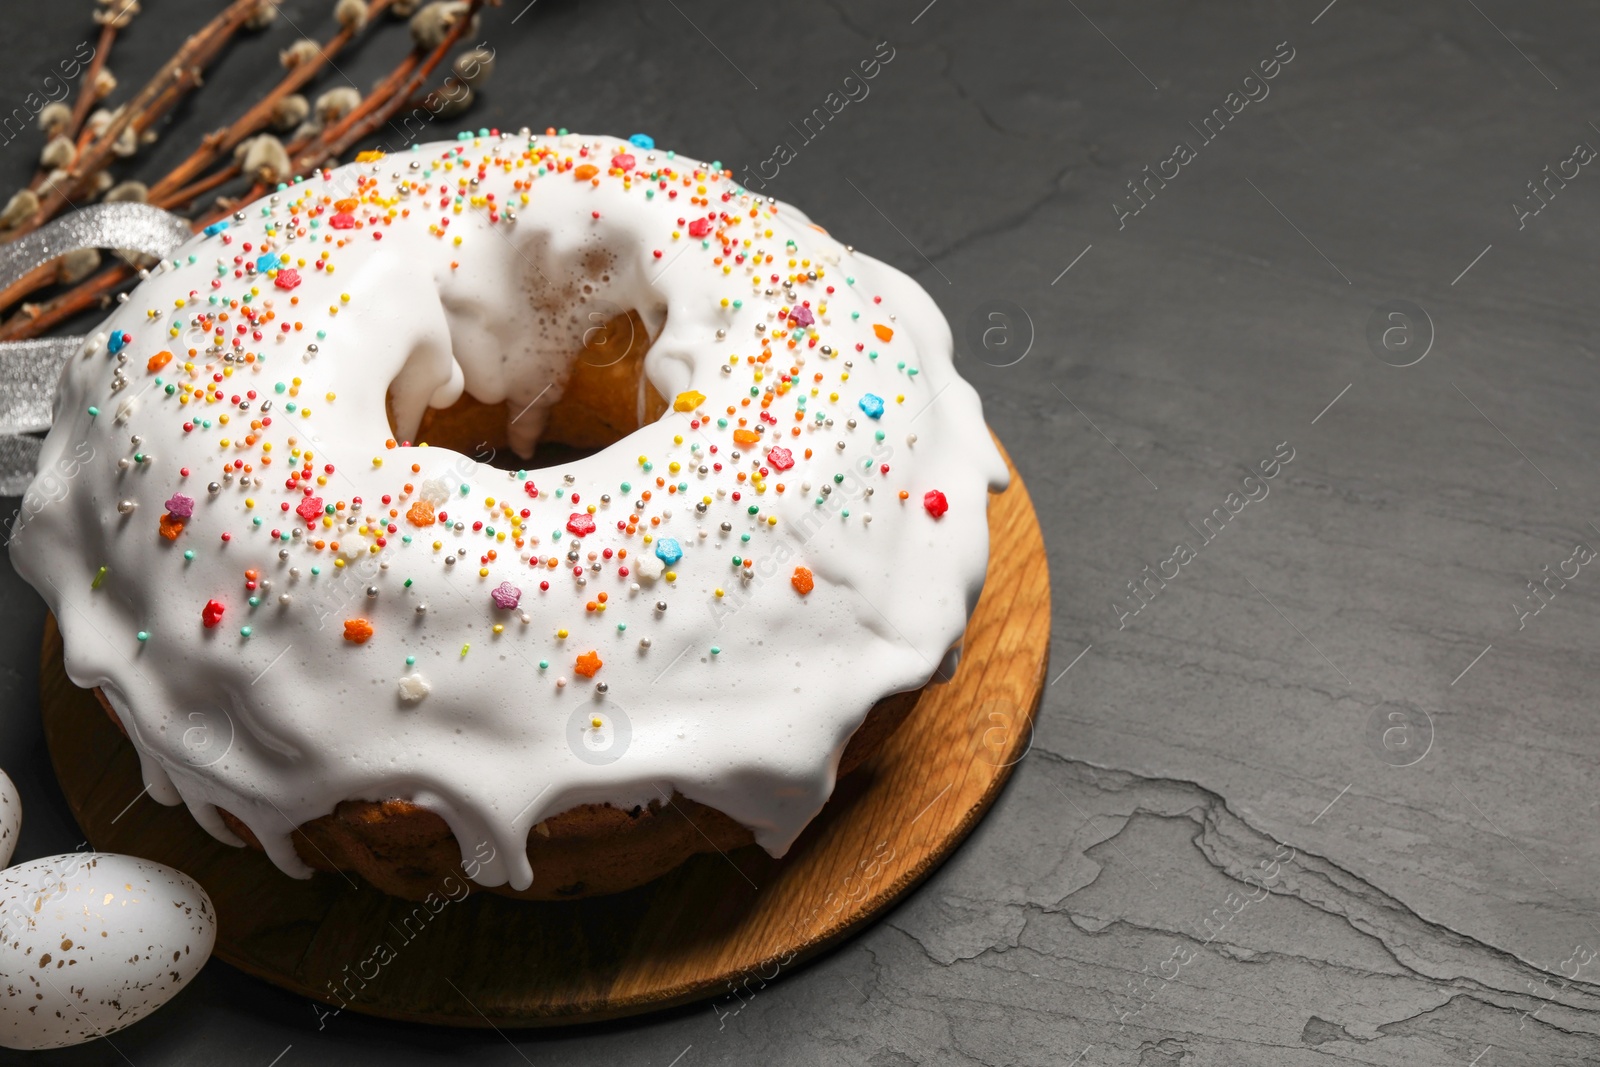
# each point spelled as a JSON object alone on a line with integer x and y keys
{"x": 721, "y": 923}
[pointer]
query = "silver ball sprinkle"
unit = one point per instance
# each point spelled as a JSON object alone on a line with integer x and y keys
{"x": 214, "y": 488}
{"x": 661, "y": 605}
{"x": 372, "y": 592}
{"x": 644, "y": 642}
{"x": 127, "y": 507}
{"x": 422, "y": 609}
{"x": 449, "y": 561}
{"x": 283, "y": 598}
{"x": 602, "y": 688}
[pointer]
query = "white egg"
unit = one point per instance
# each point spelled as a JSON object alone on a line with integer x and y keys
{"x": 10, "y": 818}
{"x": 91, "y": 942}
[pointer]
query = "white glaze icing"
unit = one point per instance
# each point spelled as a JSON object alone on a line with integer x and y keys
{"x": 279, "y": 726}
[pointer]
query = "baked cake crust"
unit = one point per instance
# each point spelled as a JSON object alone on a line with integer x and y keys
{"x": 590, "y": 850}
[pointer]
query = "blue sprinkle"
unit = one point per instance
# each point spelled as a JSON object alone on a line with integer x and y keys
{"x": 668, "y": 550}
{"x": 215, "y": 228}
{"x": 118, "y": 341}
{"x": 642, "y": 140}
{"x": 266, "y": 261}
{"x": 872, "y": 405}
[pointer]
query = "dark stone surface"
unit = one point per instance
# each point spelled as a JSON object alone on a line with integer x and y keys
{"x": 1301, "y": 687}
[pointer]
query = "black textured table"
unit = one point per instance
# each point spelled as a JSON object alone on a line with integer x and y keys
{"x": 1284, "y": 311}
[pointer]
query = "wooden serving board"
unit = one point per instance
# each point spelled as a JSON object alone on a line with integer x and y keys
{"x": 719, "y": 923}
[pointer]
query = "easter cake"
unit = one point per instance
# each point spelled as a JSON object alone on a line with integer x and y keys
{"x": 317, "y": 580}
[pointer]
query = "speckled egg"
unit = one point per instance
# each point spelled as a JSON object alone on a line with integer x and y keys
{"x": 10, "y": 818}
{"x": 92, "y": 942}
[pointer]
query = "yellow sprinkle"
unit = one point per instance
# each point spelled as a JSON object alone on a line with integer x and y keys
{"x": 499, "y": 628}
{"x": 671, "y": 576}
{"x": 561, "y": 633}
{"x": 719, "y": 592}
{"x": 483, "y": 572}
{"x": 596, "y": 722}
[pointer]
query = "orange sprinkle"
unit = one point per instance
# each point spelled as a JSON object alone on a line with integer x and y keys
{"x": 420, "y": 514}
{"x": 802, "y": 581}
{"x": 745, "y": 437}
{"x": 159, "y": 360}
{"x": 171, "y": 527}
{"x": 357, "y": 631}
{"x": 883, "y": 332}
{"x": 583, "y": 174}
{"x": 589, "y": 662}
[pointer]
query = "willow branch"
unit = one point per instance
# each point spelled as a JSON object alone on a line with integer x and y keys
{"x": 181, "y": 71}
{"x": 218, "y": 144}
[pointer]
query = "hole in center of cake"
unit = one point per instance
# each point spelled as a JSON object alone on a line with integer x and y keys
{"x": 603, "y": 397}
{"x": 551, "y": 359}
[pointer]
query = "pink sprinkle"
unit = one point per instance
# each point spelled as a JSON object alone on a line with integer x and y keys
{"x": 801, "y": 316}
{"x": 623, "y": 161}
{"x": 343, "y": 221}
{"x": 287, "y": 278}
{"x": 699, "y": 227}
{"x": 505, "y": 596}
{"x": 310, "y": 508}
{"x": 935, "y": 502}
{"x": 781, "y": 459}
{"x": 580, "y": 523}
{"x": 180, "y": 506}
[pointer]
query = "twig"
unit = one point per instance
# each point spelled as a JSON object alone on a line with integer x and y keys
{"x": 178, "y": 198}
{"x": 188, "y": 181}
{"x": 35, "y": 319}
{"x": 355, "y": 126}
{"x": 181, "y": 71}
